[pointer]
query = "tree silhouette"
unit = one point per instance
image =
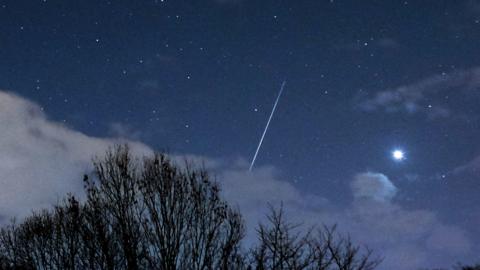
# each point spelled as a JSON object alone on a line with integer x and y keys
{"x": 283, "y": 246}
{"x": 151, "y": 213}
{"x": 467, "y": 267}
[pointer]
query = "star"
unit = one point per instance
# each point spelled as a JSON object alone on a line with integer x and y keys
{"x": 398, "y": 155}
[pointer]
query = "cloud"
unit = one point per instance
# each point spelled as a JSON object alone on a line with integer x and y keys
{"x": 121, "y": 130}
{"x": 471, "y": 167}
{"x": 41, "y": 160}
{"x": 454, "y": 96}
{"x": 406, "y": 238}
{"x": 448, "y": 237}
{"x": 433, "y": 96}
{"x": 374, "y": 186}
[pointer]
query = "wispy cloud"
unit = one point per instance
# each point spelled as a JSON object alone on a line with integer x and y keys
{"x": 433, "y": 96}
{"x": 124, "y": 131}
{"x": 472, "y": 166}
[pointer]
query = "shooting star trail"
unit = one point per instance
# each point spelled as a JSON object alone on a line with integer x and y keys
{"x": 266, "y": 127}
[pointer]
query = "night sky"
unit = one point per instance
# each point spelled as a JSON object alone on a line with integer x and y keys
{"x": 199, "y": 78}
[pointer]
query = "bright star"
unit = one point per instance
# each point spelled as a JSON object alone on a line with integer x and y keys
{"x": 398, "y": 155}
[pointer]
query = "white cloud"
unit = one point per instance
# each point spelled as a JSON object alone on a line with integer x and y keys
{"x": 40, "y": 160}
{"x": 374, "y": 186}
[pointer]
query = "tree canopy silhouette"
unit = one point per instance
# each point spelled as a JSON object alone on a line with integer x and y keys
{"x": 151, "y": 213}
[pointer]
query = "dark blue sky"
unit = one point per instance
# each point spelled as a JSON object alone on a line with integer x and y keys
{"x": 200, "y": 77}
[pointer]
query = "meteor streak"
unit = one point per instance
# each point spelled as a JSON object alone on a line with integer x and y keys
{"x": 266, "y": 127}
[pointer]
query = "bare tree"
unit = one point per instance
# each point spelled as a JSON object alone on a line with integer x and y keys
{"x": 13, "y": 251}
{"x": 282, "y": 246}
{"x": 115, "y": 197}
{"x": 187, "y": 224}
{"x": 100, "y": 250}
{"x": 151, "y": 213}
{"x": 138, "y": 214}
{"x": 343, "y": 254}
{"x": 45, "y": 240}
{"x": 67, "y": 244}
